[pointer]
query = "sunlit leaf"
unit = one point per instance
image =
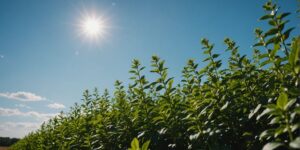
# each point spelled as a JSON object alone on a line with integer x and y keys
{"x": 295, "y": 144}
{"x": 272, "y": 146}
{"x": 282, "y": 100}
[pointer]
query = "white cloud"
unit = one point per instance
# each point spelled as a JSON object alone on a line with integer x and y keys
{"x": 18, "y": 129}
{"x": 23, "y": 106}
{"x": 22, "y": 96}
{"x": 34, "y": 114}
{"x": 56, "y": 106}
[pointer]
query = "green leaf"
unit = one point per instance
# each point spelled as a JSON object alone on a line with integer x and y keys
{"x": 247, "y": 134}
{"x": 265, "y": 134}
{"x": 254, "y": 111}
{"x": 263, "y": 56}
{"x": 158, "y": 88}
{"x": 146, "y": 145}
{"x": 271, "y": 32}
{"x": 266, "y": 111}
{"x": 265, "y": 63}
{"x": 289, "y": 104}
{"x": 135, "y": 144}
{"x": 155, "y": 70}
{"x": 287, "y": 33}
{"x": 274, "y": 39}
{"x": 142, "y": 68}
{"x": 266, "y": 17}
{"x": 272, "y": 145}
{"x": 206, "y": 59}
{"x": 282, "y": 100}
{"x": 132, "y": 71}
{"x": 281, "y": 16}
{"x": 206, "y": 51}
{"x": 294, "y": 57}
{"x": 218, "y": 63}
{"x": 280, "y": 130}
{"x": 295, "y": 127}
{"x": 297, "y": 110}
{"x": 170, "y": 79}
{"x": 258, "y": 44}
{"x": 272, "y": 23}
{"x": 295, "y": 144}
{"x": 215, "y": 55}
{"x": 224, "y": 106}
{"x": 275, "y": 120}
{"x": 147, "y": 86}
{"x": 274, "y": 51}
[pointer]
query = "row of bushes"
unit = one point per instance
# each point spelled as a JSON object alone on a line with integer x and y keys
{"x": 6, "y": 141}
{"x": 251, "y": 104}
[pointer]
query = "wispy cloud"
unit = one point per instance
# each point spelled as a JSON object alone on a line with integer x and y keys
{"x": 18, "y": 129}
{"x": 23, "y": 106}
{"x": 56, "y": 106}
{"x": 34, "y": 114}
{"x": 1, "y": 56}
{"x": 23, "y": 96}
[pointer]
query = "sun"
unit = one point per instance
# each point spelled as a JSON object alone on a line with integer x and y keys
{"x": 93, "y": 27}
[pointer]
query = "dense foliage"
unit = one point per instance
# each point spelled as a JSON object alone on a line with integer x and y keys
{"x": 253, "y": 103}
{"x": 6, "y": 141}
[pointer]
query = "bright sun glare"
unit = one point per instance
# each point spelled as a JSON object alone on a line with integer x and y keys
{"x": 93, "y": 27}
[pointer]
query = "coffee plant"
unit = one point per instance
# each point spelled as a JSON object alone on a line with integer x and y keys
{"x": 253, "y": 103}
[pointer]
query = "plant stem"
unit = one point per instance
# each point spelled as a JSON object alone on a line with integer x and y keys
{"x": 288, "y": 126}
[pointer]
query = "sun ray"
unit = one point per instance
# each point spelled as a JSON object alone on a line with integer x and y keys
{"x": 93, "y": 27}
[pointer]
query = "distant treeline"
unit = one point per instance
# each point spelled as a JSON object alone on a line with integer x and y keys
{"x": 7, "y": 141}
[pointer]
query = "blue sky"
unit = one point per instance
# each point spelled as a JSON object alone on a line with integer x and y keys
{"x": 46, "y": 63}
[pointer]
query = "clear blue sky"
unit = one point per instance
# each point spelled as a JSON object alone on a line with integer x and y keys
{"x": 44, "y": 61}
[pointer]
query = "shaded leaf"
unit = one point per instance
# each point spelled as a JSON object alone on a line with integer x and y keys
{"x": 268, "y": 16}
